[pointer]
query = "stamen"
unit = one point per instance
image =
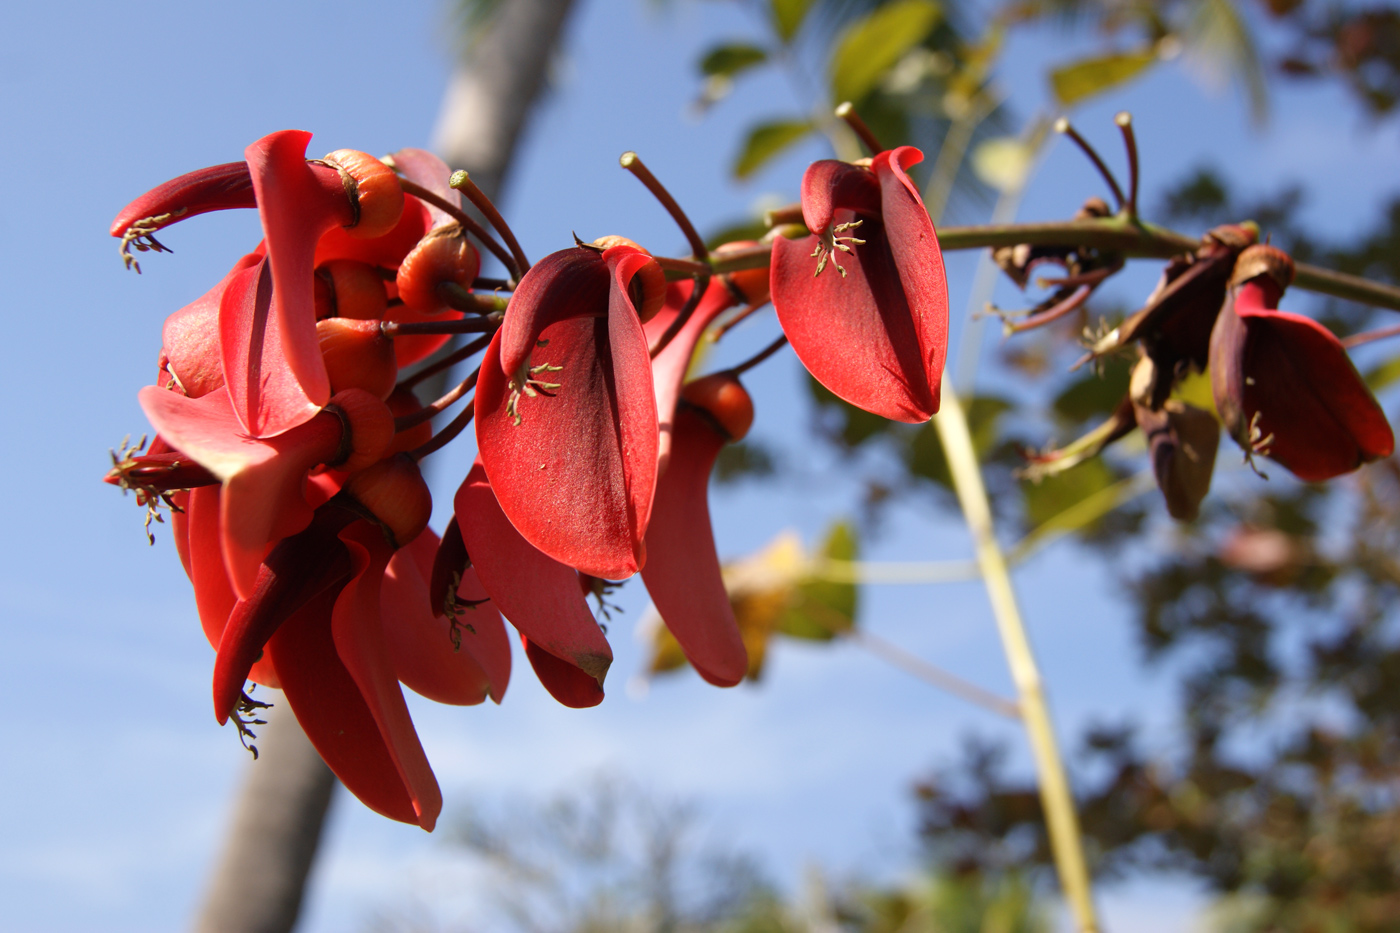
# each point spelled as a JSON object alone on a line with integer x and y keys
{"x": 141, "y": 235}
{"x": 829, "y": 243}
{"x": 525, "y": 384}
{"x": 244, "y": 717}
{"x": 1259, "y": 444}
{"x": 453, "y": 607}
{"x": 126, "y": 474}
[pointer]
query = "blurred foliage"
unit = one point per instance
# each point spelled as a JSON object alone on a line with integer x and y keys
{"x": 610, "y": 857}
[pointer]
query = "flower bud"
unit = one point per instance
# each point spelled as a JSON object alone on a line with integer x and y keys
{"x": 393, "y": 491}
{"x": 444, "y": 255}
{"x": 369, "y": 429}
{"x": 751, "y": 284}
{"x": 357, "y": 356}
{"x": 376, "y": 198}
{"x": 1261, "y": 260}
{"x": 725, "y": 400}
{"x": 346, "y": 288}
{"x": 403, "y": 402}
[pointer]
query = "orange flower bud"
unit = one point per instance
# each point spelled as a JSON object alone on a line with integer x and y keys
{"x": 357, "y": 355}
{"x": 725, "y": 400}
{"x": 369, "y": 429}
{"x": 375, "y": 194}
{"x": 351, "y": 289}
{"x": 444, "y": 255}
{"x": 393, "y": 491}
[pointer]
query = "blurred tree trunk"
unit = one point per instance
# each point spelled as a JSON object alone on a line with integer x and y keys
{"x": 260, "y": 881}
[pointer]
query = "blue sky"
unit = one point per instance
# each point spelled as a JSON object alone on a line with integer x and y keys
{"x": 117, "y": 781}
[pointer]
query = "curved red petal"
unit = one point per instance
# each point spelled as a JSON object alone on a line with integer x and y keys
{"x": 540, "y": 596}
{"x": 669, "y": 367}
{"x": 267, "y": 395}
{"x": 297, "y": 202}
{"x": 190, "y": 338}
{"x": 216, "y": 188}
{"x": 829, "y": 185}
{"x": 358, "y": 633}
{"x": 180, "y": 523}
{"x": 1298, "y": 388}
{"x": 333, "y": 713}
{"x": 682, "y": 572}
{"x": 420, "y": 643}
{"x": 570, "y": 283}
{"x": 568, "y": 685}
{"x": 577, "y": 474}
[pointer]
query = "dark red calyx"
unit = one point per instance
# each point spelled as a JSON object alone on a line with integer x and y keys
{"x": 157, "y": 474}
{"x": 216, "y": 188}
{"x": 297, "y": 570}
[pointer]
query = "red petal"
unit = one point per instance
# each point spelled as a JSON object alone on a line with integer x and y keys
{"x": 1295, "y": 374}
{"x": 298, "y": 203}
{"x": 262, "y": 479}
{"x": 216, "y": 188}
{"x": 333, "y": 713}
{"x": 213, "y": 594}
{"x": 540, "y": 596}
{"x": 567, "y": 684}
{"x": 420, "y": 643}
{"x": 190, "y": 338}
{"x": 426, "y": 169}
{"x": 669, "y": 367}
{"x": 577, "y": 475}
{"x": 682, "y": 572}
{"x": 877, "y": 338}
{"x": 179, "y": 522}
{"x": 829, "y": 185}
{"x": 568, "y": 284}
{"x": 358, "y": 632}
{"x": 387, "y": 250}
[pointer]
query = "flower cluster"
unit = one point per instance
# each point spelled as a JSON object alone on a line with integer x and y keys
{"x": 288, "y": 435}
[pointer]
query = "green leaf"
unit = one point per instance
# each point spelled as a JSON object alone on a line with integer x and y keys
{"x": 844, "y": 422}
{"x": 1383, "y": 374}
{"x": 870, "y": 47}
{"x": 822, "y": 609}
{"x": 1087, "y": 77}
{"x": 788, "y": 16}
{"x": 1003, "y": 163}
{"x": 728, "y": 60}
{"x": 1054, "y": 495}
{"x": 767, "y": 140}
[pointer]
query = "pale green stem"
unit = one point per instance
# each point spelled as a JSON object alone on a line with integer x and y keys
{"x": 1062, "y": 822}
{"x": 912, "y": 572}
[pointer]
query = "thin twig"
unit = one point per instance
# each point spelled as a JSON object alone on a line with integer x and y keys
{"x": 760, "y": 356}
{"x": 634, "y": 164}
{"x": 462, "y": 182}
{"x": 447, "y": 362}
{"x": 847, "y": 111}
{"x": 1357, "y": 340}
{"x": 472, "y": 325}
{"x": 933, "y": 675}
{"x": 428, "y": 412}
{"x": 744, "y": 314}
{"x": 463, "y": 218}
{"x": 1125, "y": 124}
{"x": 444, "y": 437}
{"x": 686, "y": 267}
{"x": 1062, "y": 126}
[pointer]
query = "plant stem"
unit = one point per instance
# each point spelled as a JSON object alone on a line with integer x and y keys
{"x": 462, "y": 182}
{"x": 1062, "y": 823}
{"x": 1133, "y": 239}
{"x": 463, "y": 218}
{"x": 931, "y": 674}
{"x": 634, "y": 164}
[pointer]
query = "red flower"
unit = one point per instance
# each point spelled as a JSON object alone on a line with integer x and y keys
{"x": 1284, "y": 384}
{"x": 864, "y": 299}
{"x": 565, "y": 416}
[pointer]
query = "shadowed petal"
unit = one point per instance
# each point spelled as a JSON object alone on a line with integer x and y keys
{"x": 682, "y": 572}
{"x": 420, "y": 643}
{"x": 540, "y": 596}
{"x": 669, "y": 367}
{"x": 190, "y": 337}
{"x": 567, "y": 684}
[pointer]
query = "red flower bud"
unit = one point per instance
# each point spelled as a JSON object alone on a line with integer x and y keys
{"x": 443, "y": 256}
{"x": 369, "y": 429}
{"x": 751, "y": 284}
{"x": 725, "y": 401}
{"x": 375, "y": 195}
{"x": 351, "y": 289}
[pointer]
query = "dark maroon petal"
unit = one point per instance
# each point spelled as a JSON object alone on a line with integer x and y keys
{"x": 682, "y": 573}
{"x": 568, "y": 284}
{"x": 216, "y": 188}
